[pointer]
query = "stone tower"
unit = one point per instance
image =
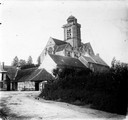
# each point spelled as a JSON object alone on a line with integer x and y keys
{"x": 72, "y": 33}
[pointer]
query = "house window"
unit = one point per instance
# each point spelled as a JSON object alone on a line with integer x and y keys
{"x": 4, "y": 76}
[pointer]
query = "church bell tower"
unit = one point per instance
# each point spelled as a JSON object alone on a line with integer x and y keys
{"x": 72, "y": 33}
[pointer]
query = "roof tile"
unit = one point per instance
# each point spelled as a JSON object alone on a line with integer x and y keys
{"x": 98, "y": 60}
{"x": 59, "y": 42}
{"x": 67, "y": 61}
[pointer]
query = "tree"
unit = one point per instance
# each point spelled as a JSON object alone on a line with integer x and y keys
{"x": 113, "y": 62}
{"x": 38, "y": 61}
{"x": 22, "y": 62}
{"x": 30, "y": 61}
{"x": 15, "y": 61}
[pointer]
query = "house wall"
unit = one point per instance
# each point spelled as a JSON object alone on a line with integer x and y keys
{"x": 98, "y": 68}
{"x": 42, "y": 85}
{"x": 3, "y": 83}
{"x": 48, "y": 64}
{"x": 26, "y": 86}
{"x": 0, "y": 76}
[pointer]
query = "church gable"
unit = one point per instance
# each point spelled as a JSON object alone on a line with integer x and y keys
{"x": 68, "y": 47}
{"x": 52, "y": 45}
{"x": 50, "y": 42}
{"x": 54, "y": 42}
{"x": 98, "y": 60}
{"x": 87, "y": 48}
{"x": 64, "y": 50}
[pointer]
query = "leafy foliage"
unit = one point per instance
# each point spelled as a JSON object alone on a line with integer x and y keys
{"x": 15, "y": 61}
{"x": 22, "y": 62}
{"x": 38, "y": 61}
{"x": 105, "y": 91}
{"x": 30, "y": 61}
{"x": 26, "y": 66}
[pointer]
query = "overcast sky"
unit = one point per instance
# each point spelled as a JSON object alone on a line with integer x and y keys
{"x": 27, "y": 25}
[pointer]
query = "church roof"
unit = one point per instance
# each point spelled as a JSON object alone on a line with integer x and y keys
{"x": 94, "y": 59}
{"x": 88, "y": 46}
{"x": 33, "y": 74}
{"x": 71, "y": 17}
{"x": 59, "y": 42}
{"x": 67, "y": 61}
{"x": 61, "y": 47}
{"x": 98, "y": 60}
{"x": 89, "y": 59}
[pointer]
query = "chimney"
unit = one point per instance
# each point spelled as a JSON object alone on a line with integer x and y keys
{"x": 3, "y": 65}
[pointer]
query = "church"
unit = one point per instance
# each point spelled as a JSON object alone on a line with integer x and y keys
{"x": 67, "y": 53}
{"x": 72, "y": 48}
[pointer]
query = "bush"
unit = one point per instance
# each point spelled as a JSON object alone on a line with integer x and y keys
{"x": 104, "y": 91}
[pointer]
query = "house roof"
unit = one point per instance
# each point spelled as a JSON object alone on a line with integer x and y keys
{"x": 11, "y": 71}
{"x": 24, "y": 74}
{"x": 88, "y": 59}
{"x": 61, "y": 47}
{"x": 98, "y": 60}
{"x": 59, "y": 42}
{"x": 67, "y": 61}
{"x": 32, "y": 74}
{"x": 40, "y": 75}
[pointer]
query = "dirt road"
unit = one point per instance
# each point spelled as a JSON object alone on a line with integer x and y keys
{"x": 23, "y": 106}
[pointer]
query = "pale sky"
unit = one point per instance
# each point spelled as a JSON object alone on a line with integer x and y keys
{"x": 27, "y": 25}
